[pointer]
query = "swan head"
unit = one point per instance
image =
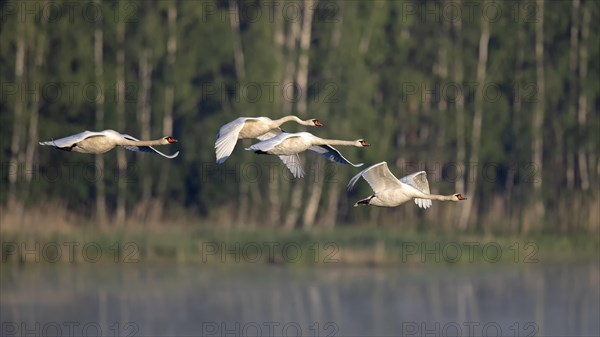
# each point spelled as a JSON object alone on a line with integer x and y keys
{"x": 362, "y": 143}
{"x": 170, "y": 140}
{"x": 459, "y": 196}
{"x": 314, "y": 122}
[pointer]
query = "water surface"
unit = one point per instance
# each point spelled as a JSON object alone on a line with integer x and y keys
{"x": 555, "y": 299}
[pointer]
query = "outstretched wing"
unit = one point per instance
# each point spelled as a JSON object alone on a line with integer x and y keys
{"x": 268, "y": 144}
{"x": 148, "y": 149}
{"x": 332, "y": 154}
{"x": 292, "y": 161}
{"x": 227, "y": 138}
{"x": 270, "y": 134}
{"x": 293, "y": 164}
{"x": 378, "y": 176}
{"x": 419, "y": 181}
{"x": 68, "y": 142}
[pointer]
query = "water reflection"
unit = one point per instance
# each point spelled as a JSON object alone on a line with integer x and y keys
{"x": 541, "y": 299}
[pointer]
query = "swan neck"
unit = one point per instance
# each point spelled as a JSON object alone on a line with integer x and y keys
{"x": 141, "y": 142}
{"x": 321, "y": 141}
{"x": 280, "y": 121}
{"x": 441, "y": 197}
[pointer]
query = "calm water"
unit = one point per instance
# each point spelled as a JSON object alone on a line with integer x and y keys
{"x": 560, "y": 299}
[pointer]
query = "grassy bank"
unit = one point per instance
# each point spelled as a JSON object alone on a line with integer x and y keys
{"x": 342, "y": 246}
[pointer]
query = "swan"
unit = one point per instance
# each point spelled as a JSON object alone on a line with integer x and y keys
{"x": 97, "y": 142}
{"x": 253, "y": 127}
{"x": 290, "y": 144}
{"x": 391, "y": 192}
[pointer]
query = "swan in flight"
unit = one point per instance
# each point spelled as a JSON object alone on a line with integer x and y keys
{"x": 391, "y": 192}
{"x": 290, "y": 144}
{"x": 261, "y": 128}
{"x": 103, "y": 141}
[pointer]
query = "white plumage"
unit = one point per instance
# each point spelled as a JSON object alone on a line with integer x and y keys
{"x": 391, "y": 192}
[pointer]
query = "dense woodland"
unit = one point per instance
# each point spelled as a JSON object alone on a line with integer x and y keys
{"x": 498, "y": 100}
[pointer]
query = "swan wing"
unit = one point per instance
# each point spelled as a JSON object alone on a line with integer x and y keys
{"x": 419, "y": 181}
{"x": 69, "y": 141}
{"x": 332, "y": 154}
{"x": 270, "y": 143}
{"x": 270, "y": 134}
{"x": 148, "y": 149}
{"x": 378, "y": 176}
{"x": 227, "y": 138}
{"x": 292, "y": 162}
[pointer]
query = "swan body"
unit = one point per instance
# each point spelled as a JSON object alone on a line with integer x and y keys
{"x": 391, "y": 192}
{"x": 290, "y": 144}
{"x": 97, "y": 142}
{"x": 252, "y": 127}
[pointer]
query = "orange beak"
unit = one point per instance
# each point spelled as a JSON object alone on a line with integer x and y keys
{"x": 171, "y": 140}
{"x": 364, "y": 143}
{"x": 460, "y": 197}
{"x": 317, "y": 123}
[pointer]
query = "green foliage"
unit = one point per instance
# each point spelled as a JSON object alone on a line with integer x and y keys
{"x": 365, "y": 61}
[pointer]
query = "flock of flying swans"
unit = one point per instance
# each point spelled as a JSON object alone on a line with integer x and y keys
{"x": 388, "y": 190}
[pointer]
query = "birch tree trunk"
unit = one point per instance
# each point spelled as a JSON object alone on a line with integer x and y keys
{"x": 582, "y": 106}
{"x": 333, "y": 193}
{"x": 169, "y": 98}
{"x": 538, "y": 118}
{"x": 297, "y": 188}
{"x": 36, "y": 104}
{"x": 477, "y": 122}
{"x": 516, "y": 130}
{"x": 98, "y": 61}
{"x": 121, "y": 212}
{"x": 302, "y": 80}
{"x": 274, "y": 186}
{"x": 573, "y": 58}
{"x": 15, "y": 145}
{"x": 240, "y": 69}
{"x": 144, "y": 118}
{"x": 460, "y": 108}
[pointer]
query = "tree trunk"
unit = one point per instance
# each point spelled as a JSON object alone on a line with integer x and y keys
{"x": 570, "y": 158}
{"x": 460, "y": 109}
{"x": 538, "y": 118}
{"x": 582, "y": 107}
{"x": 144, "y": 117}
{"x": 333, "y": 199}
{"x": 516, "y": 130}
{"x": 333, "y": 193}
{"x": 240, "y": 69}
{"x": 98, "y": 61}
{"x": 302, "y": 80}
{"x": 477, "y": 122}
{"x": 290, "y": 70}
{"x": 36, "y": 105}
{"x": 15, "y": 146}
{"x": 273, "y": 181}
{"x": 169, "y": 98}
{"x": 121, "y": 213}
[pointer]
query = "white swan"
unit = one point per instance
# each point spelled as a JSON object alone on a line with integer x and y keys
{"x": 391, "y": 192}
{"x": 290, "y": 144}
{"x": 252, "y": 127}
{"x": 103, "y": 141}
